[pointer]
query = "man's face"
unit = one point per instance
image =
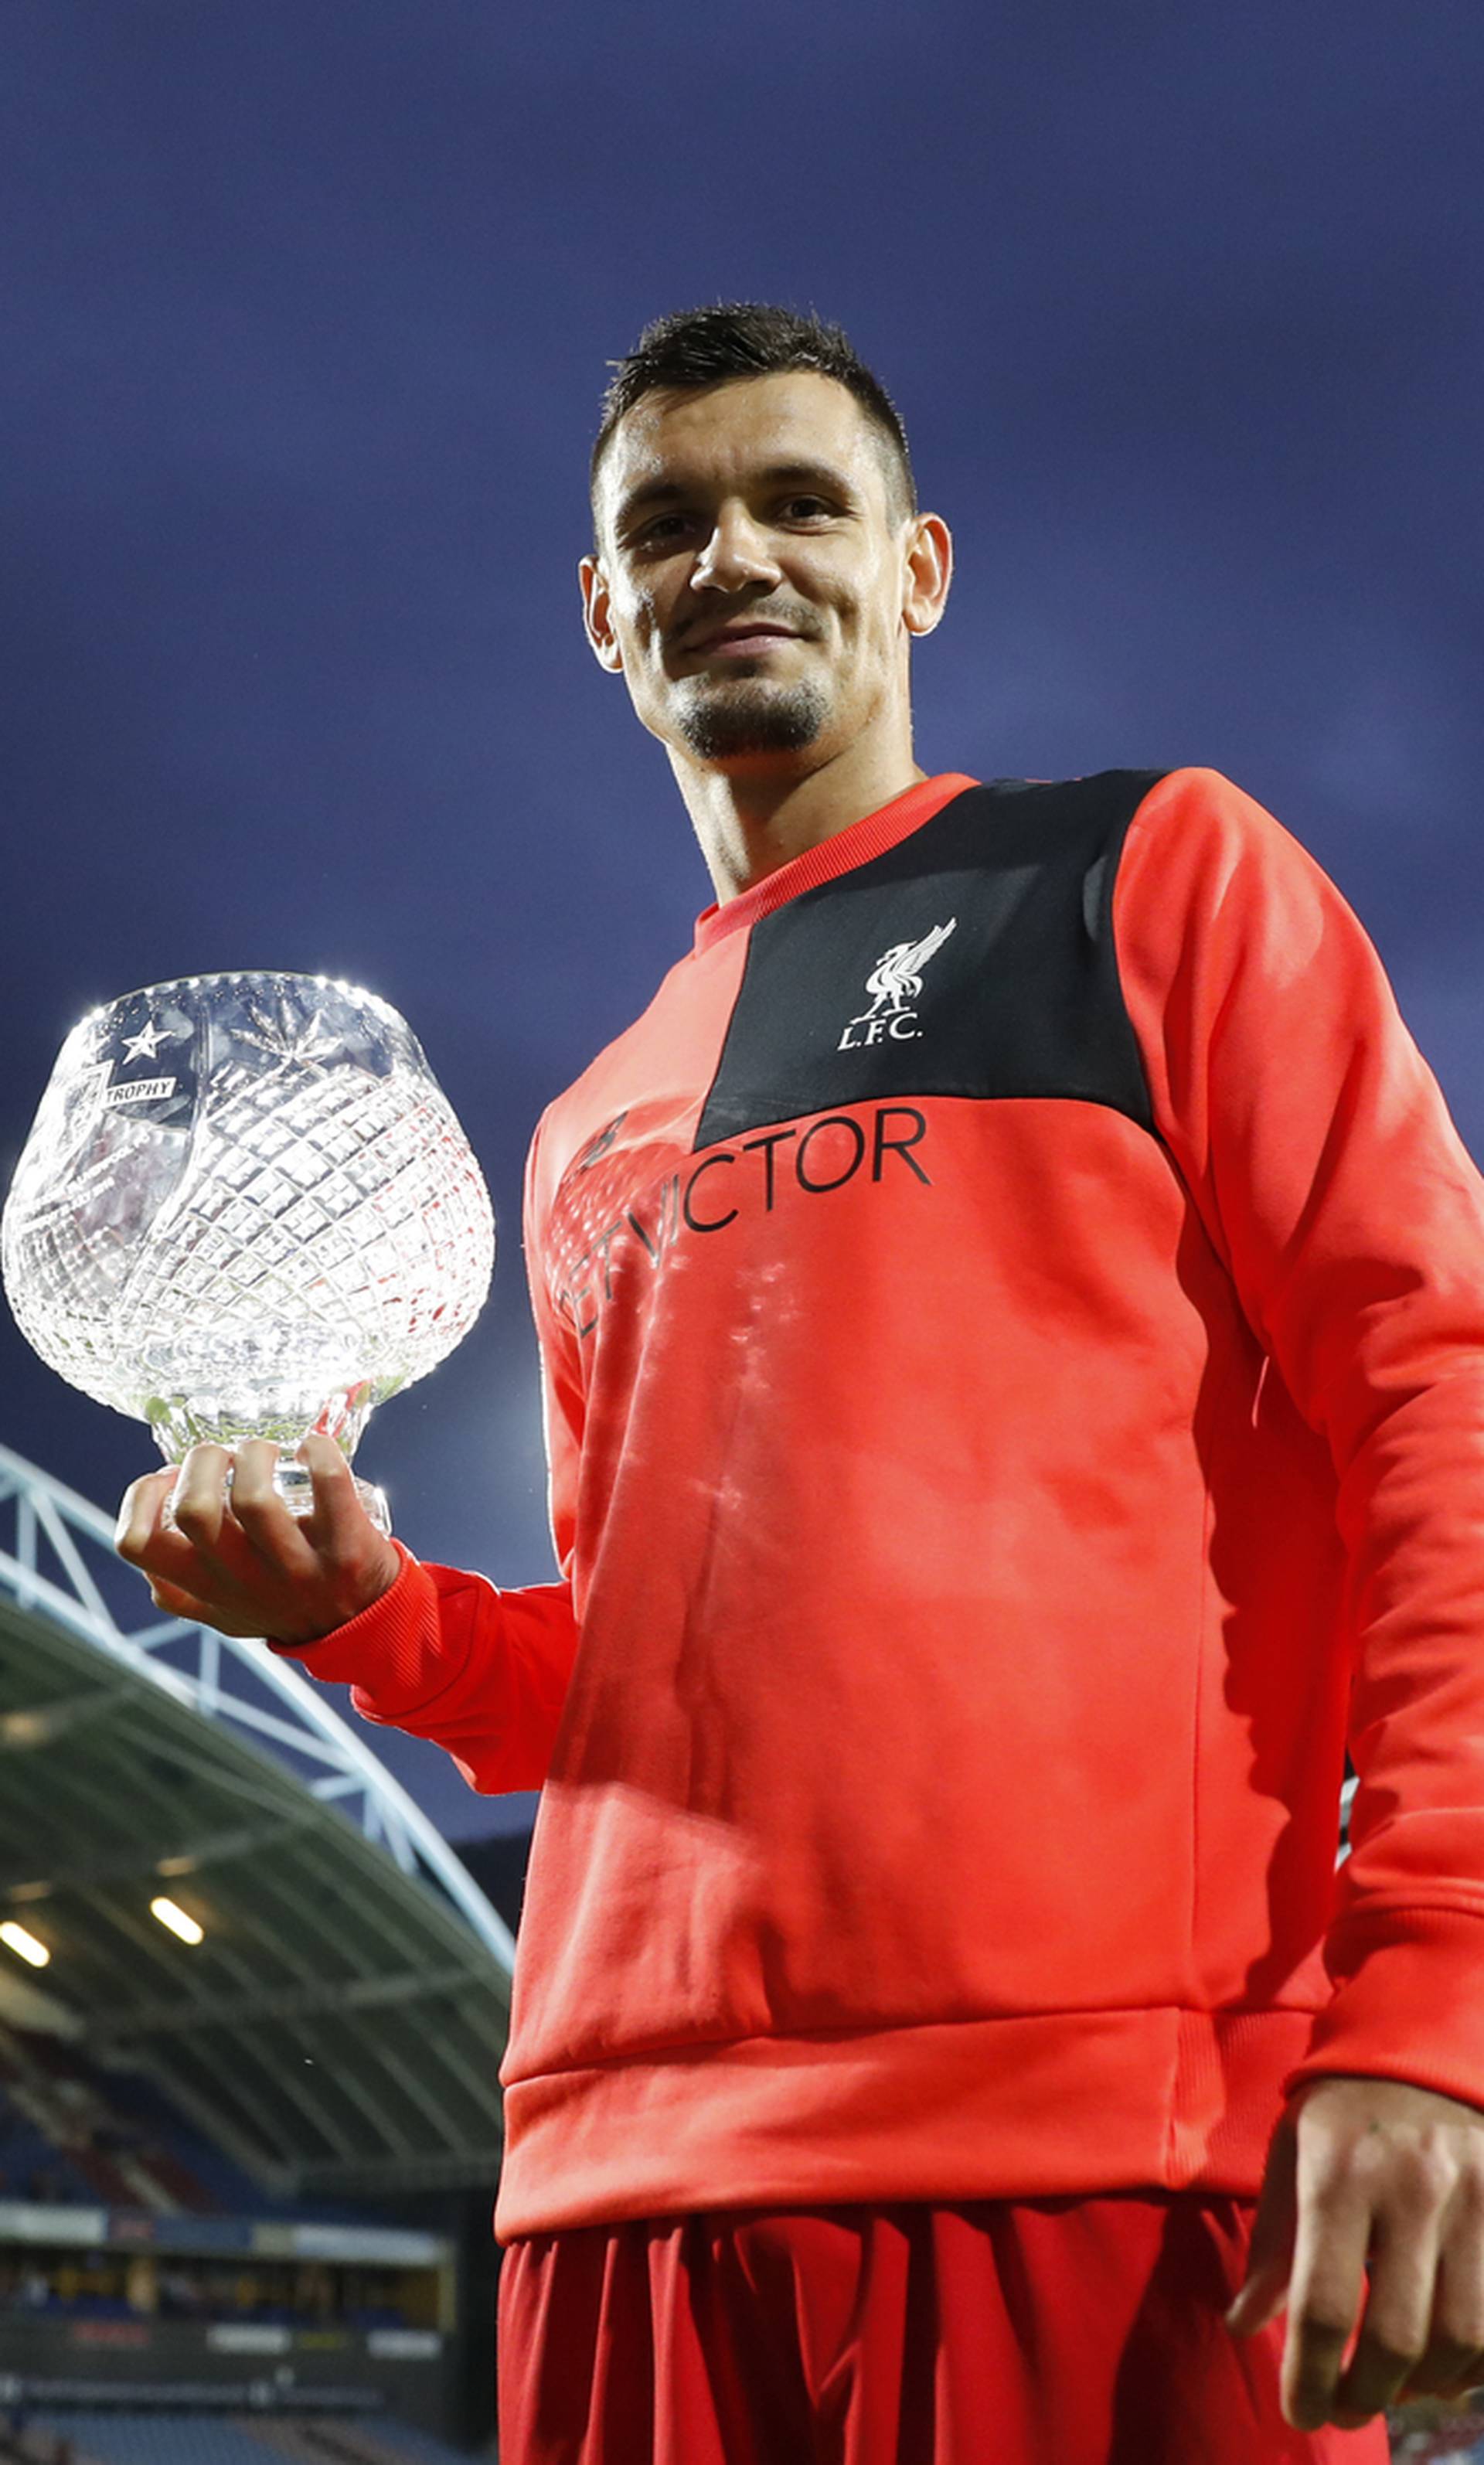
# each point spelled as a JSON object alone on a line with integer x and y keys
{"x": 752, "y": 572}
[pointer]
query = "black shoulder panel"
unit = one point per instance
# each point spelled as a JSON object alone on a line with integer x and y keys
{"x": 975, "y": 959}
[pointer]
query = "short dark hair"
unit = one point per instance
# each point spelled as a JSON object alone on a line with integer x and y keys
{"x": 697, "y": 347}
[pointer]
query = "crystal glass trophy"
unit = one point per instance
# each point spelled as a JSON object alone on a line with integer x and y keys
{"x": 245, "y": 1209}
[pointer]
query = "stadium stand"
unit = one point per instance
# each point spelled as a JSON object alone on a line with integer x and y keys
{"x": 214, "y": 2439}
{"x": 71, "y": 2129}
{"x": 62, "y": 2115}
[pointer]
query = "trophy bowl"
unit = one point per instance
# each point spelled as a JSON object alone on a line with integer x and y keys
{"x": 245, "y": 1209}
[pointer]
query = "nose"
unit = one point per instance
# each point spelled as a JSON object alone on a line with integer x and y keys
{"x": 738, "y": 553}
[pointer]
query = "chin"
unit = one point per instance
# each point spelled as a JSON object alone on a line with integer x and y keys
{"x": 745, "y": 719}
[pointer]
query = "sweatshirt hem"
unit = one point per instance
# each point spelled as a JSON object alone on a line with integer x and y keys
{"x": 1167, "y": 2099}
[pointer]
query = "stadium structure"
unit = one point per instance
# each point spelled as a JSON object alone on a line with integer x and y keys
{"x": 251, "y": 2010}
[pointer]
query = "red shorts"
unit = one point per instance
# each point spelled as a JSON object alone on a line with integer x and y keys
{"x": 991, "y": 2332}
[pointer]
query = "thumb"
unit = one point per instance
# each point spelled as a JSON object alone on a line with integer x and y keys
{"x": 1269, "y": 2256}
{"x": 177, "y": 1603}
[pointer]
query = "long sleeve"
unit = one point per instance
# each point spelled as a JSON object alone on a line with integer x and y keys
{"x": 1320, "y": 1154}
{"x": 446, "y": 1655}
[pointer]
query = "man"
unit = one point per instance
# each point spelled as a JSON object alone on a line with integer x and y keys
{"x": 1010, "y": 1315}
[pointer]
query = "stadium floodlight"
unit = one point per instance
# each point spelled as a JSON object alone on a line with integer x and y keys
{"x": 176, "y": 1920}
{"x": 25, "y": 1945}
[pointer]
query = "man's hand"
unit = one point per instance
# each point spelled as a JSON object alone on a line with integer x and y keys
{"x": 237, "y": 1560}
{"x": 1371, "y": 2171}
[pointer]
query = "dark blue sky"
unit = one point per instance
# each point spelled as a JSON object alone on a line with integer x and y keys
{"x": 306, "y": 314}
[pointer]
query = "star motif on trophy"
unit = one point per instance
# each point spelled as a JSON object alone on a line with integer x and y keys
{"x": 146, "y": 1042}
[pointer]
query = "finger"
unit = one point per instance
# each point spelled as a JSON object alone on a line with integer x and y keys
{"x": 177, "y": 1603}
{"x": 1455, "y": 2359}
{"x": 198, "y": 1501}
{"x": 1393, "y": 2337}
{"x": 1469, "y": 2383}
{"x": 262, "y": 1513}
{"x": 174, "y": 1599}
{"x": 145, "y": 1540}
{"x": 1269, "y": 2254}
{"x": 1446, "y": 2370}
{"x": 138, "y": 1513}
{"x": 1330, "y": 2244}
{"x": 253, "y": 1464}
{"x": 339, "y": 1521}
{"x": 362, "y": 1560}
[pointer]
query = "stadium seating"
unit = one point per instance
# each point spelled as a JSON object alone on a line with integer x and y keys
{"x": 73, "y": 2133}
{"x": 220, "y": 2440}
{"x": 66, "y": 2133}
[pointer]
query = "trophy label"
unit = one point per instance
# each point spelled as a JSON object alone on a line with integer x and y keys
{"x": 137, "y": 1091}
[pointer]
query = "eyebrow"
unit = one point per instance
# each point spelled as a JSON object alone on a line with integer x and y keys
{"x": 821, "y": 476}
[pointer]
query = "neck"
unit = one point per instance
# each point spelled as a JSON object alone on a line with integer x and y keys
{"x": 750, "y": 820}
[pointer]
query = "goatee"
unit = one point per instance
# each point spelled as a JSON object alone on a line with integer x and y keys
{"x": 753, "y": 720}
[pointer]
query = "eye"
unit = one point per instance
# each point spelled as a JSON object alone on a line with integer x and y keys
{"x": 805, "y": 509}
{"x": 664, "y": 528}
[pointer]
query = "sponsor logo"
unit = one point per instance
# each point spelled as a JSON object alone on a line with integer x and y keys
{"x": 895, "y": 982}
{"x": 245, "y": 2337}
{"x": 711, "y": 1193}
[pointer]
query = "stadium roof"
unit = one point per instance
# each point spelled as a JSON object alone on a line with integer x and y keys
{"x": 339, "y": 2027}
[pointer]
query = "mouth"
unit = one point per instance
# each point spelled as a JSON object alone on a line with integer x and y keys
{"x": 740, "y": 642}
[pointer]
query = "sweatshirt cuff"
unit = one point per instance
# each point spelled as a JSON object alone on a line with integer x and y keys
{"x": 381, "y": 1643}
{"x": 1411, "y": 2008}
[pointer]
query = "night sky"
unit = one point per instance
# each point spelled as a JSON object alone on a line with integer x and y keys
{"x": 305, "y": 315}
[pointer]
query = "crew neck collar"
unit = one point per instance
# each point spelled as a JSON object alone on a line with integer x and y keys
{"x": 854, "y": 845}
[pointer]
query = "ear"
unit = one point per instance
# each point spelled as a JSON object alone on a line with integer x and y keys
{"x": 926, "y": 573}
{"x": 597, "y": 620}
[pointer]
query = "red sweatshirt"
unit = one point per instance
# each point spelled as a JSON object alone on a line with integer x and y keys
{"x": 1012, "y": 1324}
